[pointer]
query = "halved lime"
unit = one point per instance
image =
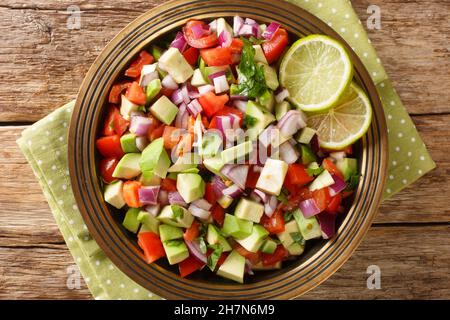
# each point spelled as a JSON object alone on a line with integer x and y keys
{"x": 345, "y": 123}
{"x": 316, "y": 70}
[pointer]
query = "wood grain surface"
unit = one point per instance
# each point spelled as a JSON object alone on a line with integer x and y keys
{"x": 42, "y": 64}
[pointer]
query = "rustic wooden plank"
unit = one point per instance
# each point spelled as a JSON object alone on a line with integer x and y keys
{"x": 410, "y": 269}
{"x": 426, "y": 201}
{"x": 44, "y": 63}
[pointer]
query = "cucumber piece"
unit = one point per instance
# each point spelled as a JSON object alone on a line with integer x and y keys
{"x": 281, "y": 109}
{"x": 307, "y": 155}
{"x": 153, "y": 89}
{"x": 322, "y": 181}
{"x": 269, "y": 246}
{"x": 305, "y": 135}
{"x": 131, "y": 222}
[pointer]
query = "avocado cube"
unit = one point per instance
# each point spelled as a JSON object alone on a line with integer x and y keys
{"x": 225, "y": 201}
{"x": 185, "y": 162}
{"x": 113, "y": 194}
{"x": 260, "y": 119}
{"x": 176, "y": 65}
{"x": 305, "y": 135}
{"x": 348, "y": 167}
{"x": 323, "y": 180}
{"x": 267, "y": 100}
{"x": 254, "y": 241}
{"x": 154, "y": 158}
{"x": 213, "y": 236}
{"x": 307, "y": 155}
{"x": 281, "y": 109}
{"x": 148, "y": 178}
{"x": 295, "y": 249}
{"x": 149, "y": 222}
{"x": 237, "y": 228}
{"x": 272, "y": 176}
{"x": 271, "y": 76}
{"x": 164, "y": 110}
{"x": 285, "y": 236}
{"x": 152, "y": 90}
{"x": 214, "y": 164}
{"x": 197, "y": 79}
{"x": 249, "y": 210}
{"x": 259, "y": 54}
{"x": 176, "y": 251}
{"x": 190, "y": 186}
{"x": 131, "y": 222}
{"x": 233, "y": 267}
{"x": 167, "y": 232}
{"x": 128, "y": 167}
{"x": 236, "y": 153}
{"x": 309, "y": 227}
{"x": 269, "y": 246}
{"x": 176, "y": 216}
{"x": 127, "y": 107}
{"x": 128, "y": 143}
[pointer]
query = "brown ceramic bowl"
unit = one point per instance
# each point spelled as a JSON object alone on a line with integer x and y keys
{"x": 321, "y": 258}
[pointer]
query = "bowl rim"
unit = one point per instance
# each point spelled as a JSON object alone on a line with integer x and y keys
{"x": 82, "y": 180}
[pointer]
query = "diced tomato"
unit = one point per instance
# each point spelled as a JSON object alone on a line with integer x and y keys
{"x": 152, "y": 246}
{"x": 191, "y": 55}
{"x": 252, "y": 178}
{"x": 292, "y": 188}
{"x": 156, "y": 132}
{"x": 274, "y": 224}
{"x": 274, "y": 48}
{"x": 297, "y": 197}
{"x": 218, "y": 214}
{"x": 236, "y": 45}
{"x": 228, "y": 110}
{"x": 322, "y": 198}
{"x": 116, "y": 91}
{"x": 185, "y": 144}
{"x": 134, "y": 71}
{"x": 202, "y": 43}
{"x": 189, "y": 265}
{"x": 331, "y": 168}
{"x": 110, "y": 146}
{"x": 169, "y": 185}
{"x": 136, "y": 94}
{"x": 114, "y": 122}
{"x": 271, "y": 259}
{"x": 107, "y": 167}
{"x": 335, "y": 203}
{"x": 297, "y": 175}
{"x": 346, "y": 194}
{"x": 210, "y": 195}
{"x": 212, "y": 103}
{"x": 217, "y": 57}
{"x": 130, "y": 192}
{"x": 171, "y": 136}
{"x": 253, "y": 257}
{"x": 192, "y": 232}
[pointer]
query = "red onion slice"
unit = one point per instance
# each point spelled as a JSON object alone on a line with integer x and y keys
{"x": 194, "y": 108}
{"x": 205, "y": 89}
{"x": 240, "y": 104}
{"x": 196, "y": 252}
{"x": 182, "y": 119}
{"x": 163, "y": 198}
{"x": 291, "y": 122}
{"x": 153, "y": 209}
{"x": 248, "y": 267}
{"x": 288, "y": 153}
{"x": 232, "y": 191}
{"x": 261, "y": 195}
{"x": 270, "y": 206}
{"x": 271, "y": 30}
{"x": 199, "y": 31}
{"x": 338, "y": 186}
{"x": 327, "y": 223}
{"x": 169, "y": 83}
{"x": 179, "y": 42}
{"x": 142, "y": 142}
{"x": 177, "y": 97}
{"x": 202, "y": 204}
{"x": 281, "y": 96}
{"x": 236, "y": 173}
{"x": 238, "y": 22}
{"x": 140, "y": 125}
{"x": 309, "y": 208}
{"x": 176, "y": 198}
{"x": 221, "y": 84}
{"x": 199, "y": 212}
{"x": 149, "y": 195}
{"x": 216, "y": 75}
{"x": 218, "y": 186}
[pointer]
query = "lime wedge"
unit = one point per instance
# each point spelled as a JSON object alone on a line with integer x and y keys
{"x": 345, "y": 123}
{"x": 316, "y": 70}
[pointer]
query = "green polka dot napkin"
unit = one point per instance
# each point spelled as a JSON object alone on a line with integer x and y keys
{"x": 45, "y": 147}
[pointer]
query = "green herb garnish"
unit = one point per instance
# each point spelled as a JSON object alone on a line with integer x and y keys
{"x": 214, "y": 256}
{"x": 288, "y": 216}
{"x": 352, "y": 182}
{"x": 251, "y": 80}
{"x": 298, "y": 238}
{"x": 178, "y": 212}
{"x": 202, "y": 245}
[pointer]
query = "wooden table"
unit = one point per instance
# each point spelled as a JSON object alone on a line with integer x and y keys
{"x": 43, "y": 63}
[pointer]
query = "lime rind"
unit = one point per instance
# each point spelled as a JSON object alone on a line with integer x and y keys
{"x": 336, "y": 126}
{"x": 324, "y": 74}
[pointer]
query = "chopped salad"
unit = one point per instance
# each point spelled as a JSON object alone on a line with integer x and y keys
{"x": 212, "y": 163}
